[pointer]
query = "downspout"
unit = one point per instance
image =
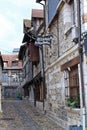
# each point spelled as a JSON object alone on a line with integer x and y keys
{"x": 82, "y": 96}
{"x": 81, "y": 55}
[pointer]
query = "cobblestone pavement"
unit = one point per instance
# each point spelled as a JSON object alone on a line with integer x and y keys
{"x": 21, "y": 115}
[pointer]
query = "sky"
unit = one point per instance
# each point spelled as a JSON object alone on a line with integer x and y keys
{"x": 12, "y": 13}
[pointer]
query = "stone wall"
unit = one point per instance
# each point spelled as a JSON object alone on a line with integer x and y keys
{"x": 56, "y": 94}
{"x": 68, "y": 50}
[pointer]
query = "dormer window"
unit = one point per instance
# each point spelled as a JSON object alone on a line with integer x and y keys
{"x": 14, "y": 63}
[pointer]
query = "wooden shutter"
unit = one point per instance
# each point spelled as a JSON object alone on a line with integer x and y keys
{"x": 34, "y": 53}
{"x": 74, "y": 82}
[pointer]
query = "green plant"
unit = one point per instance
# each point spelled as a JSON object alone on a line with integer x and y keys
{"x": 73, "y": 102}
{"x": 19, "y": 96}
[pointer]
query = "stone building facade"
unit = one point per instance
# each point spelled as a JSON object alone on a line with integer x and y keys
{"x": 63, "y": 62}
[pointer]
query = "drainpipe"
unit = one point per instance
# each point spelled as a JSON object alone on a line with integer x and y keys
{"x": 44, "y": 87}
{"x": 82, "y": 95}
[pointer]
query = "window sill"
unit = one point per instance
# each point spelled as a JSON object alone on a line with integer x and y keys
{"x": 73, "y": 110}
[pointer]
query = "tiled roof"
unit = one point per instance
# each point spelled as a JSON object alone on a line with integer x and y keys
{"x": 37, "y": 13}
{"x": 9, "y": 57}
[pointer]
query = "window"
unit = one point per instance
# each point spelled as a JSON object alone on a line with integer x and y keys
{"x": 5, "y": 77}
{"x": 71, "y": 78}
{"x": 14, "y": 63}
{"x": 5, "y": 63}
{"x": 74, "y": 82}
{"x": 66, "y": 83}
{"x": 72, "y": 86}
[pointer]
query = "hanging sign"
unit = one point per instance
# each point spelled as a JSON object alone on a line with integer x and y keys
{"x": 43, "y": 40}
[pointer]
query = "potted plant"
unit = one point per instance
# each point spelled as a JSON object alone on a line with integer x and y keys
{"x": 73, "y": 102}
{"x": 19, "y": 96}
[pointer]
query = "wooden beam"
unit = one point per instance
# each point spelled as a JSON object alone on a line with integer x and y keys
{"x": 70, "y": 63}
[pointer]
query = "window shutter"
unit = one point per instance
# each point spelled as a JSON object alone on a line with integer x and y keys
{"x": 34, "y": 53}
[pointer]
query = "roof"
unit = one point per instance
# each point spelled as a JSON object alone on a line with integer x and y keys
{"x": 27, "y": 22}
{"x": 9, "y": 57}
{"x": 37, "y": 13}
{"x": 26, "y": 25}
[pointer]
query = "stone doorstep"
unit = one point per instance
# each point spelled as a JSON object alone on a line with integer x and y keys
{"x": 55, "y": 120}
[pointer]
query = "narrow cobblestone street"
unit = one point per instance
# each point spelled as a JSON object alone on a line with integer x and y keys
{"x": 21, "y": 115}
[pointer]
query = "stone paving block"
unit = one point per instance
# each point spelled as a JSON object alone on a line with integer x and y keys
{"x": 21, "y": 115}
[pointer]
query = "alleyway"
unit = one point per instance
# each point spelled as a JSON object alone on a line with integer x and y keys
{"x": 21, "y": 115}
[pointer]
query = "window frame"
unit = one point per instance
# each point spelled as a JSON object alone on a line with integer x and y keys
{"x": 14, "y": 63}
{"x": 69, "y": 74}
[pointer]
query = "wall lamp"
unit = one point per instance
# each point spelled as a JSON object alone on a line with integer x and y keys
{"x": 38, "y": 1}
